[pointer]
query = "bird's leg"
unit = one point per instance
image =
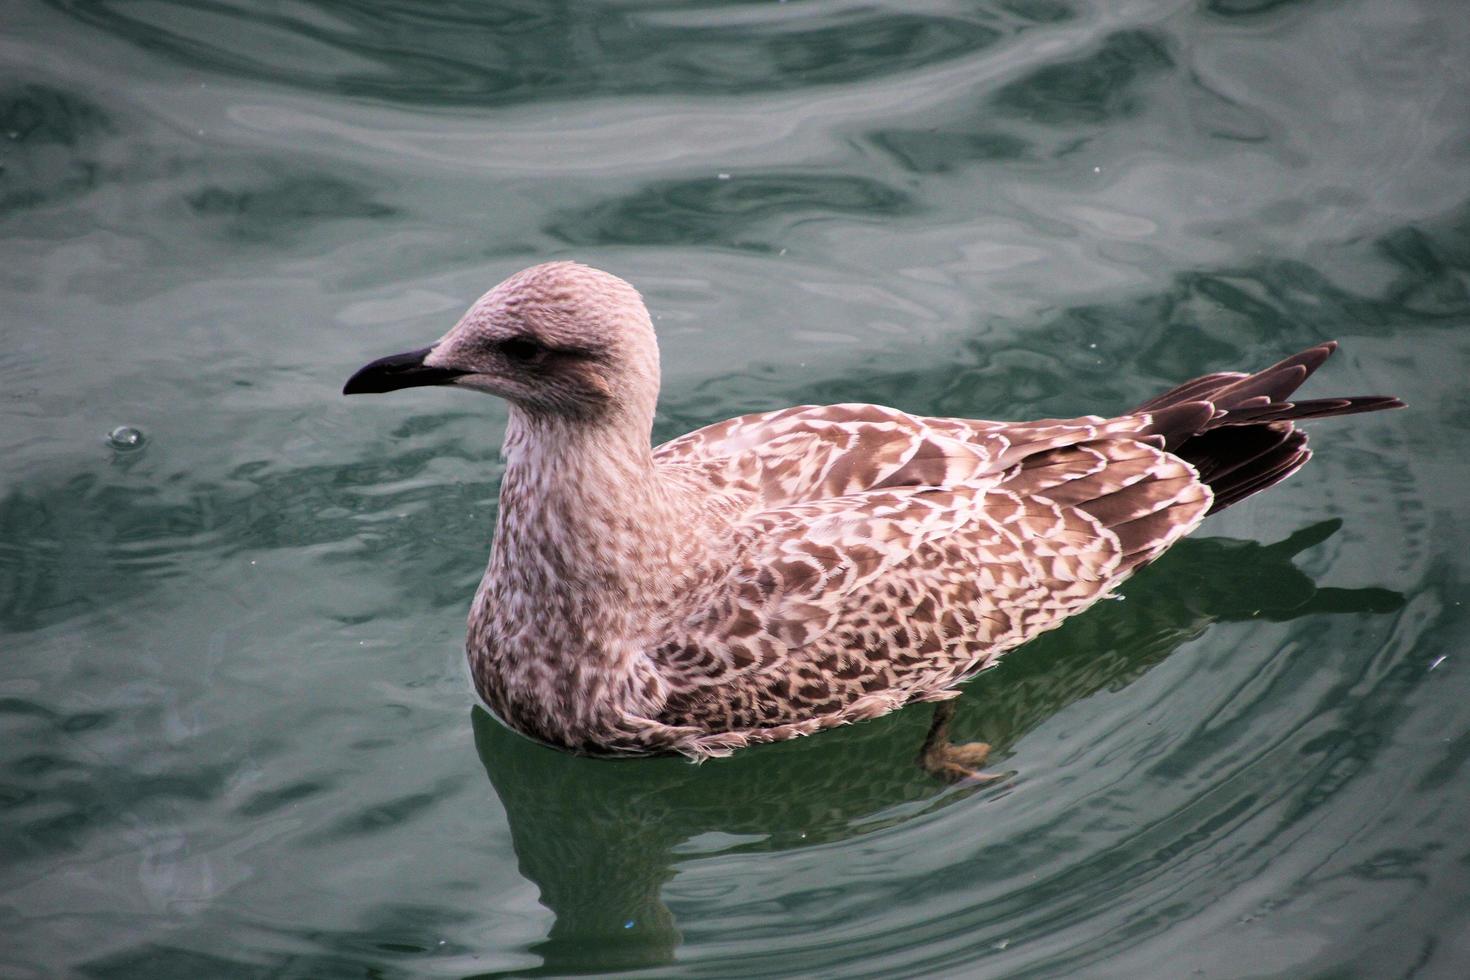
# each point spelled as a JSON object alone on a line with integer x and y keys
{"x": 959, "y": 764}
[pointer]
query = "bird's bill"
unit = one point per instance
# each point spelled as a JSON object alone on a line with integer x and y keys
{"x": 398, "y": 371}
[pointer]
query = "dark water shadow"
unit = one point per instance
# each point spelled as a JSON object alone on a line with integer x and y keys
{"x": 283, "y": 207}
{"x": 626, "y": 824}
{"x": 520, "y": 51}
{"x": 736, "y": 213}
{"x": 51, "y": 138}
{"x": 1097, "y": 87}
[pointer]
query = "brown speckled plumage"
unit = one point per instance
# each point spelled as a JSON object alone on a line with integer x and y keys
{"x": 781, "y": 573}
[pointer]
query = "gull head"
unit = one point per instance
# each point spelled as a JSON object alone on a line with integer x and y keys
{"x": 558, "y": 340}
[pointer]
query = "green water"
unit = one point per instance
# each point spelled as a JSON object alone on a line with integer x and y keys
{"x": 236, "y": 736}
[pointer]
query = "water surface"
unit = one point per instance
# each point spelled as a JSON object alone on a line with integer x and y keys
{"x": 237, "y": 735}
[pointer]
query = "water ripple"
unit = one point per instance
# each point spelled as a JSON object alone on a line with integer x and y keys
{"x": 534, "y": 50}
{"x": 233, "y": 734}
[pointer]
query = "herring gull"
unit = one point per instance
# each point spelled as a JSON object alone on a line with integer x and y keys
{"x": 781, "y": 573}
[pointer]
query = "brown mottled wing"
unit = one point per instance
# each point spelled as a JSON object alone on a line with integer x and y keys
{"x": 848, "y": 607}
{"x": 811, "y": 453}
{"x": 818, "y": 452}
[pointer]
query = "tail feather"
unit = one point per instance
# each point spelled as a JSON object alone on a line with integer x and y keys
{"x": 1237, "y": 429}
{"x": 1220, "y": 452}
{"x": 1266, "y": 476}
{"x": 1316, "y": 408}
{"x": 1239, "y": 461}
{"x": 1191, "y": 390}
{"x": 1279, "y": 380}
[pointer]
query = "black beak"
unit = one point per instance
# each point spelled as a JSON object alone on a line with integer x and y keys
{"x": 398, "y": 371}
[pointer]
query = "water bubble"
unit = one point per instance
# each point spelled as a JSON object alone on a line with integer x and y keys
{"x": 126, "y": 438}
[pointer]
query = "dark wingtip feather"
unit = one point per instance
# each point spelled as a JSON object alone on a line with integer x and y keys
{"x": 1180, "y": 421}
{"x": 1315, "y": 408}
{"x": 1237, "y": 429}
{"x": 1269, "y": 476}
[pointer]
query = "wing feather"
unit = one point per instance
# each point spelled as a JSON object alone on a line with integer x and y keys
{"x": 855, "y": 603}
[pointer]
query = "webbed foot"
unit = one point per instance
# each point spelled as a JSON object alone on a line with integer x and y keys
{"x": 960, "y": 764}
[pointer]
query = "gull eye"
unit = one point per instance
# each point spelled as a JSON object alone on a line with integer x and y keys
{"x": 523, "y": 350}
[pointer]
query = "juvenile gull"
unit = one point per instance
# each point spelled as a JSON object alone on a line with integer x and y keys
{"x": 780, "y": 573}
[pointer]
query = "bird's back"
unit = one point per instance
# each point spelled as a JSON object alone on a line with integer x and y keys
{"x": 876, "y": 558}
{"x": 871, "y": 558}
